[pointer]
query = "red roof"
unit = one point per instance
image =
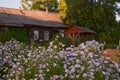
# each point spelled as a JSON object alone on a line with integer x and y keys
{"x": 17, "y": 17}
{"x": 79, "y": 30}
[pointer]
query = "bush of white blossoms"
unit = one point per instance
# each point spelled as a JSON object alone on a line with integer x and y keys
{"x": 20, "y": 62}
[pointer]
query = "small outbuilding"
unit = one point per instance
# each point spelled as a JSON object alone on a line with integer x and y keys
{"x": 75, "y": 31}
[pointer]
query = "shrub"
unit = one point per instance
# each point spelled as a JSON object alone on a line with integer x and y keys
{"x": 5, "y": 36}
{"x": 71, "y": 63}
{"x": 110, "y": 46}
{"x": 19, "y": 34}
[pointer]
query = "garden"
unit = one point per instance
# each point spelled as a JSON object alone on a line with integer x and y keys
{"x": 20, "y": 61}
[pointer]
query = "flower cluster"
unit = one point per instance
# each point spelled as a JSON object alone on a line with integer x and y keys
{"x": 72, "y": 63}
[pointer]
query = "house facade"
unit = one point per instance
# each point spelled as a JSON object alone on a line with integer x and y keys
{"x": 41, "y": 25}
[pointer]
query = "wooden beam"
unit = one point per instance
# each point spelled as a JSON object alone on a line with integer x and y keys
{"x": 73, "y": 37}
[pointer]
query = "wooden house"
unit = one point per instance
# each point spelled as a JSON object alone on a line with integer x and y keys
{"x": 41, "y": 25}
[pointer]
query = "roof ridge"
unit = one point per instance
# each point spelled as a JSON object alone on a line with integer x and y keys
{"x": 29, "y": 10}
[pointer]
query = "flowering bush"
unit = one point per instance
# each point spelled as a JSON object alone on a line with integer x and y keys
{"x": 54, "y": 63}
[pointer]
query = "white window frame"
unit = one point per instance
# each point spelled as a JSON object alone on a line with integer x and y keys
{"x": 46, "y": 35}
{"x": 36, "y": 34}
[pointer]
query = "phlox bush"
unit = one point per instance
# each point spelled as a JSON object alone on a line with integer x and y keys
{"x": 58, "y": 63}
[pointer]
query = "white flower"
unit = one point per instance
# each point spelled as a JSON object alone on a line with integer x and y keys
{"x": 51, "y": 56}
{"x": 55, "y": 57}
{"x": 63, "y": 45}
{"x": 66, "y": 75}
{"x": 36, "y": 79}
{"x": 19, "y": 69}
{"x": 108, "y": 58}
{"x": 18, "y": 63}
{"x": 15, "y": 59}
{"x": 13, "y": 72}
{"x": 40, "y": 75}
{"x": 84, "y": 75}
{"x": 77, "y": 76}
{"x": 43, "y": 66}
{"x": 71, "y": 76}
{"x": 37, "y": 56}
{"x": 65, "y": 66}
{"x": 106, "y": 62}
{"x": 11, "y": 75}
{"x": 119, "y": 70}
{"x": 92, "y": 70}
{"x": 29, "y": 54}
{"x": 55, "y": 46}
{"x": 77, "y": 66}
{"x": 72, "y": 70}
{"x": 77, "y": 61}
{"x": 116, "y": 65}
{"x": 14, "y": 66}
{"x": 91, "y": 73}
{"x": 66, "y": 70}
{"x": 82, "y": 53}
{"x": 51, "y": 43}
{"x": 56, "y": 76}
{"x": 97, "y": 64}
{"x": 90, "y": 55}
{"x": 40, "y": 71}
{"x": 61, "y": 77}
{"x": 103, "y": 72}
{"x": 36, "y": 75}
{"x": 29, "y": 72}
{"x": 82, "y": 68}
{"x": 47, "y": 70}
{"x": 54, "y": 64}
{"x": 57, "y": 36}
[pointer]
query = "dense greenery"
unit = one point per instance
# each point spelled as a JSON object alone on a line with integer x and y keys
{"x": 98, "y": 15}
{"x": 19, "y": 34}
{"x": 5, "y": 36}
{"x": 52, "y": 5}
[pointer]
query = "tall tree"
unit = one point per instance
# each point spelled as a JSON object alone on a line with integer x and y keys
{"x": 52, "y": 5}
{"x": 98, "y": 15}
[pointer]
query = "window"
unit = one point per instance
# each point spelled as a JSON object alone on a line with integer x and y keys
{"x": 36, "y": 35}
{"x": 46, "y": 35}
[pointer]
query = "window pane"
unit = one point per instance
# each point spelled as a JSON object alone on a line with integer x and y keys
{"x": 46, "y": 35}
{"x": 36, "y": 35}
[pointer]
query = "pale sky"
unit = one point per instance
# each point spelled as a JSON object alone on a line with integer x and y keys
{"x": 10, "y": 3}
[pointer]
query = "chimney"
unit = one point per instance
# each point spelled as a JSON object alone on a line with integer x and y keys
{"x": 21, "y": 10}
{"x": 47, "y": 10}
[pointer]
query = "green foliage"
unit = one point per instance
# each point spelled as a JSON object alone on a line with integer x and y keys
{"x": 19, "y": 34}
{"x": 110, "y": 46}
{"x": 98, "y": 15}
{"x": 40, "y": 5}
{"x": 5, "y": 36}
{"x": 65, "y": 40}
